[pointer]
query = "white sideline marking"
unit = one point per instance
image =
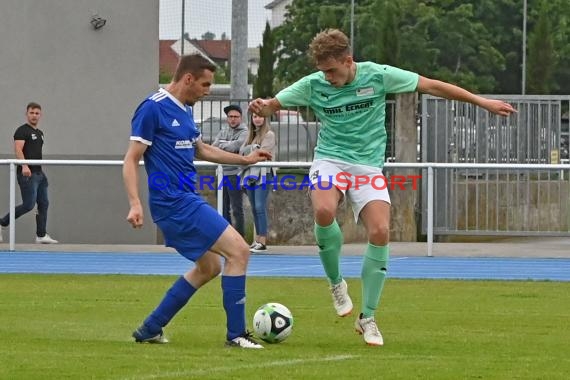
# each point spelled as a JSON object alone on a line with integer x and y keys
{"x": 277, "y": 363}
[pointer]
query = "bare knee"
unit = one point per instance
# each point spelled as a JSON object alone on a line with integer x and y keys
{"x": 379, "y": 234}
{"x": 239, "y": 256}
{"x": 324, "y": 214}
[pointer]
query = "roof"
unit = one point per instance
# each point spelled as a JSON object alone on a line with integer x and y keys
{"x": 274, "y": 3}
{"x": 215, "y": 49}
{"x": 167, "y": 57}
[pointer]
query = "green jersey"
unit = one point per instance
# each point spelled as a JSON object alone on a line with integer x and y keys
{"x": 352, "y": 116}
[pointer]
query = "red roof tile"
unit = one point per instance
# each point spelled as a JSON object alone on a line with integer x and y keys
{"x": 218, "y": 50}
{"x": 167, "y": 58}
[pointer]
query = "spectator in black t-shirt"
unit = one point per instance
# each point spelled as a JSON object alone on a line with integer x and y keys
{"x": 28, "y": 142}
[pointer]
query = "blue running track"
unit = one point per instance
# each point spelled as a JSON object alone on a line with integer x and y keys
{"x": 467, "y": 268}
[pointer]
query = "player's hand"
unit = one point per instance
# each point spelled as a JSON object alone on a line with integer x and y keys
{"x": 499, "y": 107}
{"x": 135, "y": 217}
{"x": 257, "y": 156}
{"x": 256, "y": 105}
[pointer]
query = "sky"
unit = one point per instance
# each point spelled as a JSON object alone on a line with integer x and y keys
{"x": 210, "y": 16}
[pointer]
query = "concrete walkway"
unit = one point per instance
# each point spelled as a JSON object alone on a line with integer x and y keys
{"x": 516, "y": 247}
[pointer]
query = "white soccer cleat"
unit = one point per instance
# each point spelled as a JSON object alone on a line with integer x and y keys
{"x": 46, "y": 239}
{"x": 244, "y": 341}
{"x": 341, "y": 300}
{"x": 369, "y": 330}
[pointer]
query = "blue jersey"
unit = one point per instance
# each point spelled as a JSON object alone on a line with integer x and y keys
{"x": 167, "y": 127}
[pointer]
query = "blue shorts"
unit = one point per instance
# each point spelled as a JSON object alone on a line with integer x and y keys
{"x": 192, "y": 228}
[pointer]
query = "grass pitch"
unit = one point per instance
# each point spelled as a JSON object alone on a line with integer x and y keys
{"x": 78, "y": 327}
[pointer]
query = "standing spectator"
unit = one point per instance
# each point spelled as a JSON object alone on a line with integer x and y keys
{"x": 231, "y": 139}
{"x": 258, "y": 181}
{"x": 28, "y": 144}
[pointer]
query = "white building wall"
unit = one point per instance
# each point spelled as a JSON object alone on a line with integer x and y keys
{"x": 278, "y": 13}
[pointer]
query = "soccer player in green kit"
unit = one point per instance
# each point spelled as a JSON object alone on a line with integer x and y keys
{"x": 349, "y": 98}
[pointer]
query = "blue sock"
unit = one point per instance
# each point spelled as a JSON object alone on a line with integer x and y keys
{"x": 233, "y": 289}
{"x": 174, "y": 300}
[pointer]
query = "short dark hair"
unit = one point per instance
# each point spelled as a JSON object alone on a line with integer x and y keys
{"x": 194, "y": 64}
{"x": 33, "y": 106}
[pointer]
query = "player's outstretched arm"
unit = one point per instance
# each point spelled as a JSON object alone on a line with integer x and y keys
{"x": 131, "y": 180}
{"x": 211, "y": 153}
{"x": 264, "y": 107}
{"x": 452, "y": 92}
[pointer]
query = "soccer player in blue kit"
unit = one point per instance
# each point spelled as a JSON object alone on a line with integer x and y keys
{"x": 164, "y": 133}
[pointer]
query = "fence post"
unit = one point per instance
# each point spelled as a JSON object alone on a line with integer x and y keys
{"x": 219, "y": 189}
{"x": 405, "y": 198}
{"x": 12, "y": 228}
{"x": 430, "y": 212}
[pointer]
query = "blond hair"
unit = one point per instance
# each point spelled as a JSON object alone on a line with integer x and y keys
{"x": 330, "y": 43}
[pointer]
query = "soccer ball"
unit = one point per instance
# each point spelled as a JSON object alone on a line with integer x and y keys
{"x": 272, "y": 322}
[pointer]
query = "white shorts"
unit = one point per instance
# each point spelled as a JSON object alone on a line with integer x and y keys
{"x": 360, "y": 183}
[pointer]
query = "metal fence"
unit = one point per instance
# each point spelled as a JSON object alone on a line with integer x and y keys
{"x": 296, "y": 137}
{"x": 501, "y": 201}
{"x": 525, "y": 207}
{"x": 472, "y": 201}
{"x": 459, "y": 132}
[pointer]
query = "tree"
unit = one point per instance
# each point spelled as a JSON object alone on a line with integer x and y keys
{"x": 223, "y": 75}
{"x": 503, "y": 19}
{"x": 476, "y": 44}
{"x": 301, "y": 24}
{"x": 263, "y": 86}
{"x": 164, "y": 77}
{"x": 557, "y": 12}
{"x": 208, "y": 36}
{"x": 540, "y": 56}
{"x": 381, "y": 22}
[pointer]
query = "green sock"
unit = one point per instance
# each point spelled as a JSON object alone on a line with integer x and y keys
{"x": 373, "y": 275}
{"x": 329, "y": 239}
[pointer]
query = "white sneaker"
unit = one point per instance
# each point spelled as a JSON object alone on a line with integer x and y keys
{"x": 341, "y": 300}
{"x": 243, "y": 341}
{"x": 369, "y": 331}
{"x": 46, "y": 240}
{"x": 258, "y": 248}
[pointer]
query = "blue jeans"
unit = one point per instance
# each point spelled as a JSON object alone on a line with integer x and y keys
{"x": 233, "y": 200}
{"x": 34, "y": 189}
{"x": 258, "y": 200}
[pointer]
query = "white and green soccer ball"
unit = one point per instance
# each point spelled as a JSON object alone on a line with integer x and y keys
{"x": 272, "y": 322}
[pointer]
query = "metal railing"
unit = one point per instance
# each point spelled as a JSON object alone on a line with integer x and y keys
{"x": 430, "y": 168}
{"x": 296, "y": 137}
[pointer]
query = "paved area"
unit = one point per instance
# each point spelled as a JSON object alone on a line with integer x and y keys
{"x": 537, "y": 247}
